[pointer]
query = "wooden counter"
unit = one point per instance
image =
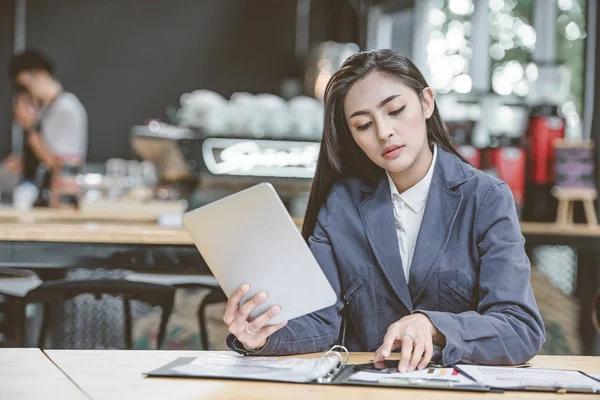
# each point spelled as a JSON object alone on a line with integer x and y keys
{"x": 113, "y": 232}
{"x": 117, "y": 374}
{"x": 544, "y": 228}
{"x": 94, "y": 232}
{"x": 115, "y": 211}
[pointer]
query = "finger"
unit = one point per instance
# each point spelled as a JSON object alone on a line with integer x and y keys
{"x": 233, "y": 303}
{"x": 388, "y": 340}
{"x": 240, "y": 320}
{"x": 427, "y": 354}
{"x": 251, "y": 304}
{"x": 259, "y": 338}
{"x": 407, "y": 347}
{"x": 260, "y": 321}
{"x": 378, "y": 356}
{"x": 417, "y": 353}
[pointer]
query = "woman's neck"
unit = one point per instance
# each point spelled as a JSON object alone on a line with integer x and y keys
{"x": 415, "y": 173}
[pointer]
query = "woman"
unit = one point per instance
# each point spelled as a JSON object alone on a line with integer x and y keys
{"x": 425, "y": 252}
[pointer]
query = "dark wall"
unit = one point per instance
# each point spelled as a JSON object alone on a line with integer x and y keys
{"x": 128, "y": 60}
{"x": 7, "y": 12}
{"x": 334, "y": 20}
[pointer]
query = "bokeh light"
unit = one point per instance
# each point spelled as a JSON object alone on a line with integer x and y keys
{"x": 513, "y": 39}
{"x": 449, "y": 49}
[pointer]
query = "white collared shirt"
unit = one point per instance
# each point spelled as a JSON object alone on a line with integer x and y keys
{"x": 409, "y": 208}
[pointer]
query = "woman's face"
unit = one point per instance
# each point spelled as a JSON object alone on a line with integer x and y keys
{"x": 387, "y": 121}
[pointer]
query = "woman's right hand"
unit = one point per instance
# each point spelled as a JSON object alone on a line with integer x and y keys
{"x": 252, "y": 334}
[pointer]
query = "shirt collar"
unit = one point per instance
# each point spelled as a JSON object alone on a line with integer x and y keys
{"x": 416, "y": 196}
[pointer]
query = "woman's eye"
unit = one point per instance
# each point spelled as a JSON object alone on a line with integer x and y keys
{"x": 363, "y": 127}
{"x": 398, "y": 111}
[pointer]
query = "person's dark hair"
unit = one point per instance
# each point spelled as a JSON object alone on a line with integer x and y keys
{"x": 339, "y": 156}
{"x": 29, "y": 60}
{"x": 20, "y": 90}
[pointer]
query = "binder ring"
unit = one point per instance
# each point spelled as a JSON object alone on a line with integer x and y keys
{"x": 338, "y": 354}
{"x": 341, "y": 362}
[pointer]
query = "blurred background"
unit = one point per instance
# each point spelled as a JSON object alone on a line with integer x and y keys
{"x": 189, "y": 101}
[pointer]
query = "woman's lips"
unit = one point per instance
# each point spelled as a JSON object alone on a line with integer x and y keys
{"x": 391, "y": 152}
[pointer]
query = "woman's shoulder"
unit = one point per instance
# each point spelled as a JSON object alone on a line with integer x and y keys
{"x": 344, "y": 193}
{"x": 481, "y": 184}
{"x": 347, "y": 189}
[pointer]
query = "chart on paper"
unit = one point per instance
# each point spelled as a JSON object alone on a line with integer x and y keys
{"x": 433, "y": 374}
{"x": 502, "y": 377}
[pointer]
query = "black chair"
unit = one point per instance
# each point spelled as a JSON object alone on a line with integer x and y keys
{"x": 215, "y": 296}
{"x": 5, "y": 322}
{"x": 51, "y": 294}
{"x": 596, "y": 312}
{"x": 14, "y": 285}
{"x": 181, "y": 281}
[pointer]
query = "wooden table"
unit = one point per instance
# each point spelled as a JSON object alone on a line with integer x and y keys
{"x": 29, "y": 374}
{"x": 117, "y": 374}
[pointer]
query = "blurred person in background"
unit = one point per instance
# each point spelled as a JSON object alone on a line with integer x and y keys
{"x": 25, "y": 163}
{"x": 56, "y": 131}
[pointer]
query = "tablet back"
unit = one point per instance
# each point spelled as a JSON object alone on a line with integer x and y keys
{"x": 249, "y": 237}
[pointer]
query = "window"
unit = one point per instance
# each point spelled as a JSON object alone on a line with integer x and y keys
{"x": 570, "y": 51}
{"x": 513, "y": 40}
{"x": 446, "y": 47}
{"x": 449, "y": 50}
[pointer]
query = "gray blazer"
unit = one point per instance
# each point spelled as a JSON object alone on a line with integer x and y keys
{"x": 470, "y": 273}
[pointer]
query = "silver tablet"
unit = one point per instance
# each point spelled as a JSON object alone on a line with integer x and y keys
{"x": 249, "y": 237}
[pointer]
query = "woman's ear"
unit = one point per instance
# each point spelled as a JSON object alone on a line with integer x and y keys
{"x": 428, "y": 102}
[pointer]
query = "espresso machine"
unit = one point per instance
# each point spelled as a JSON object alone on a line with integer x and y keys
{"x": 212, "y": 166}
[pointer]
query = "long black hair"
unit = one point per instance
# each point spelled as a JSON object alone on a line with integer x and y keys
{"x": 339, "y": 156}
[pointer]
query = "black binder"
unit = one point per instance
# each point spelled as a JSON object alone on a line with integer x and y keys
{"x": 338, "y": 375}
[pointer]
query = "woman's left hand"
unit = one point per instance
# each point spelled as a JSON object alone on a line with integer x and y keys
{"x": 415, "y": 334}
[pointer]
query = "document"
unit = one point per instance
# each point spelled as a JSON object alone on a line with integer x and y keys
{"x": 523, "y": 378}
{"x": 234, "y": 366}
{"x": 449, "y": 375}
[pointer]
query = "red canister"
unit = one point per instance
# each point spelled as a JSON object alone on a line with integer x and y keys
{"x": 545, "y": 126}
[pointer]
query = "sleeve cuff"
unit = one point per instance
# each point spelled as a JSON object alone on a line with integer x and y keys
{"x": 234, "y": 344}
{"x": 444, "y": 323}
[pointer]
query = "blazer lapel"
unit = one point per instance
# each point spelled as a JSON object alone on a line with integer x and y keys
{"x": 436, "y": 227}
{"x": 378, "y": 218}
{"x": 441, "y": 210}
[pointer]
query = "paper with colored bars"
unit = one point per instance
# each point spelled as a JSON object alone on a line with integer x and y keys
{"x": 519, "y": 378}
{"x": 449, "y": 375}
